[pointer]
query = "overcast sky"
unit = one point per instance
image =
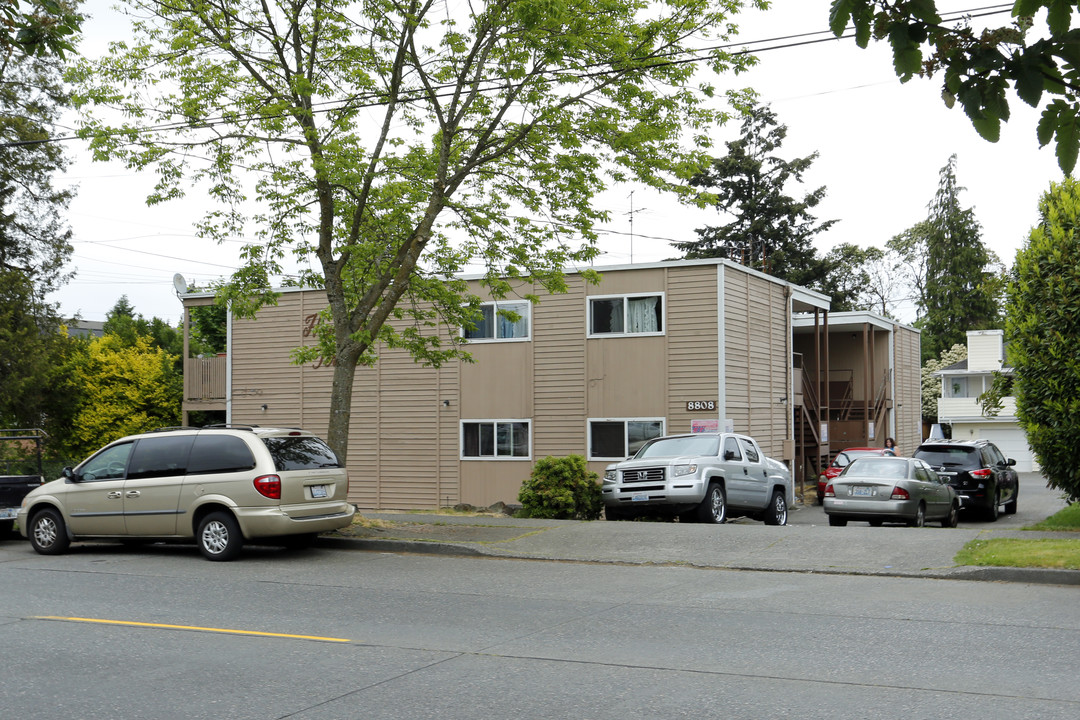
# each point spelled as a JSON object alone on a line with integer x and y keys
{"x": 881, "y": 146}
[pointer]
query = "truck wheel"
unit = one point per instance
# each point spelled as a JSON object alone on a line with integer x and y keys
{"x": 776, "y": 513}
{"x": 713, "y": 509}
{"x": 219, "y": 537}
{"x": 613, "y": 513}
{"x": 47, "y": 532}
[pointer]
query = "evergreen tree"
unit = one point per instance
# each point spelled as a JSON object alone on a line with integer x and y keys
{"x": 33, "y": 350}
{"x": 960, "y": 278}
{"x": 770, "y": 230}
{"x": 34, "y": 238}
{"x": 1043, "y": 330}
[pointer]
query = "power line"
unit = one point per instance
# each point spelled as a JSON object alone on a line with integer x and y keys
{"x": 377, "y": 99}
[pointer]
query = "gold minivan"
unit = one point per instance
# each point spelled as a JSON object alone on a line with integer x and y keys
{"x": 218, "y": 485}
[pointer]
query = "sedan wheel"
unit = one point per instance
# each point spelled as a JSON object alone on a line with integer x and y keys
{"x": 777, "y": 512}
{"x": 952, "y": 519}
{"x": 713, "y": 508}
{"x": 920, "y": 517}
{"x": 219, "y": 537}
{"x": 48, "y": 535}
{"x": 837, "y": 521}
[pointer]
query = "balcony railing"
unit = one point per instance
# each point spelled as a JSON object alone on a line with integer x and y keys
{"x": 949, "y": 408}
{"x": 204, "y": 378}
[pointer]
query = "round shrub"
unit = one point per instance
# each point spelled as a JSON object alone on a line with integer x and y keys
{"x": 561, "y": 488}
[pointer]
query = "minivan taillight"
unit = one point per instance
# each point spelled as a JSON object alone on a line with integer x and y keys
{"x": 269, "y": 486}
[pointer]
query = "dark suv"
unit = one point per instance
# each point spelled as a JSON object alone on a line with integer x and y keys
{"x": 982, "y": 477}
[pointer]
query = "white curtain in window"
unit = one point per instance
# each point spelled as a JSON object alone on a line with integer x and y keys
{"x": 517, "y": 328}
{"x": 641, "y": 314}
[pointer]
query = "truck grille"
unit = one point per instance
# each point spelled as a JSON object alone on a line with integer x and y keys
{"x": 643, "y": 475}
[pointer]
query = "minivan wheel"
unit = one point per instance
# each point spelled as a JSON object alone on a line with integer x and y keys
{"x": 776, "y": 514}
{"x": 219, "y": 537}
{"x": 713, "y": 508}
{"x": 48, "y": 535}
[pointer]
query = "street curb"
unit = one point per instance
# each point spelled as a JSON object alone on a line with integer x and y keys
{"x": 1033, "y": 576}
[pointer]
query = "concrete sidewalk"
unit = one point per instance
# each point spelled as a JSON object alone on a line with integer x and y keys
{"x": 738, "y": 545}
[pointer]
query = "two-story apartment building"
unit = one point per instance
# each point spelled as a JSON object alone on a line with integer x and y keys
{"x": 961, "y": 385}
{"x": 652, "y": 349}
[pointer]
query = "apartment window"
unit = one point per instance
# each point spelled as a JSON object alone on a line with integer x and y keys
{"x": 495, "y": 439}
{"x": 626, "y": 315}
{"x": 618, "y": 439}
{"x": 500, "y": 321}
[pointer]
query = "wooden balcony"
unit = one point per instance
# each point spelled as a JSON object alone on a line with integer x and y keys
{"x": 204, "y": 381}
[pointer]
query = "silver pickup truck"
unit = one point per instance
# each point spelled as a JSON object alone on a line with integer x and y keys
{"x": 704, "y": 477}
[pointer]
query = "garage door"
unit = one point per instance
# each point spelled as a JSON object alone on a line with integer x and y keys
{"x": 1012, "y": 443}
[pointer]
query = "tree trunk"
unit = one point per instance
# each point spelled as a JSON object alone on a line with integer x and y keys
{"x": 337, "y": 432}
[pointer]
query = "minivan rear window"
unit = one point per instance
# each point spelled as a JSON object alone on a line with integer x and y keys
{"x": 219, "y": 454}
{"x": 300, "y": 453}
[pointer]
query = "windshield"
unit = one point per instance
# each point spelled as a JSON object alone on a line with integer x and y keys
{"x": 680, "y": 446}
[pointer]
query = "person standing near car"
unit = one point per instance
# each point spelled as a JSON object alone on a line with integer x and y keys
{"x": 890, "y": 447}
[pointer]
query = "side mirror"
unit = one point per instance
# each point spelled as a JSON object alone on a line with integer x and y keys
{"x": 70, "y": 474}
{"x": 1010, "y": 462}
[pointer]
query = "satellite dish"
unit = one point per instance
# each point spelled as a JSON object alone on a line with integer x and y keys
{"x": 179, "y": 283}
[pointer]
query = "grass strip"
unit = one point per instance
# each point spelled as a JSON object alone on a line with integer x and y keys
{"x": 1012, "y": 552}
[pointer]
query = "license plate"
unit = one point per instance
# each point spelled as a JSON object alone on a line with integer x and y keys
{"x": 8, "y": 513}
{"x": 640, "y": 497}
{"x": 862, "y": 491}
{"x": 318, "y": 491}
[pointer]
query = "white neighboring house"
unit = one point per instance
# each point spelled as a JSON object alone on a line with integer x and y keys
{"x": 963, "y": 382}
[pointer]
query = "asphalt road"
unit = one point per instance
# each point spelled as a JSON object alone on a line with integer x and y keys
{"x": 111, "y": 632}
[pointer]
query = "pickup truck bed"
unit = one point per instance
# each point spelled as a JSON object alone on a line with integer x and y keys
{"x": 13, "y": 489}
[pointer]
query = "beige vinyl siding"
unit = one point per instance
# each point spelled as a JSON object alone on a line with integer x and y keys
{"x": 559, "y": 372}
{"x": 908, "y": 400}
{"x": 757, "y": 357}
{"x": 692, "y": 362}
{"x": 403, "y": 441}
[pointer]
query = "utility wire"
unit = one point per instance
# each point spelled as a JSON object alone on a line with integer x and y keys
{"x": 376, "y": 99}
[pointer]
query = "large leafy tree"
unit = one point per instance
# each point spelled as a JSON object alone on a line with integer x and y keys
{"x": 961, "y": 274}
{"x": 38, "y": 27}
{"x": 1034, "y": 57}
{"x": 393, "y": 143}
{"x": 1043, "y": 330}
{"x": 848, "y": 279}
{"x": 769, "y": 229}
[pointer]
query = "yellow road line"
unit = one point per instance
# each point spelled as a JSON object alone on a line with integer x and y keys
{"x": 227, "y": 631}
